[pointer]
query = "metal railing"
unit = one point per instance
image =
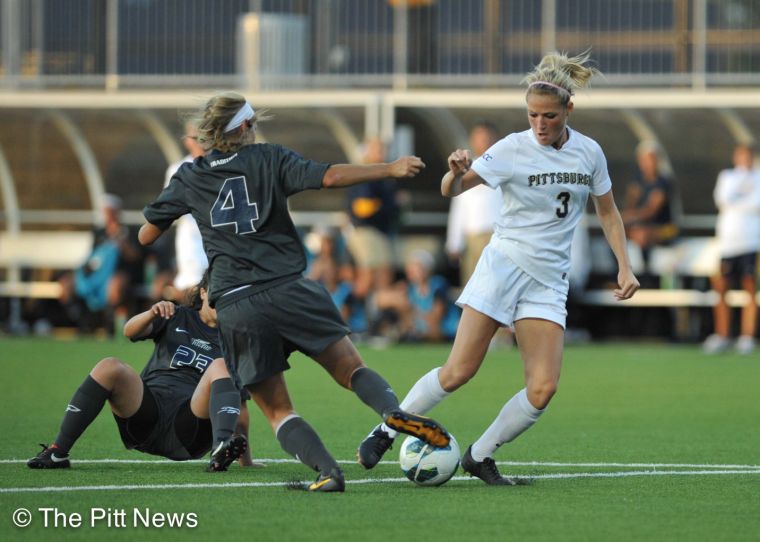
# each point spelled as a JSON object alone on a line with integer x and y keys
{"x": 116, "y": 44}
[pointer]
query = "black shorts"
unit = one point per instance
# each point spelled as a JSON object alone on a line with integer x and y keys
{"x": 737, "y": 267}
{"x": 260, "y": 331}
{"x": 164, "y": 424}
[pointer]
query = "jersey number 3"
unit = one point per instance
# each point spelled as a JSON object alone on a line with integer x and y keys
{"x": 564, "y": 198}
{"x": 232, "y": 206}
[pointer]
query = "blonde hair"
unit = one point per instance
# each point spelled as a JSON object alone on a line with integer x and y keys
{"x": 561, "y": 75}
{"x": 214, "y": 116}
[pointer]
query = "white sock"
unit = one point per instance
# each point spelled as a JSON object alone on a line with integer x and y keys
{"x": 515, "y": 417}
{"x": 423, "y": 396}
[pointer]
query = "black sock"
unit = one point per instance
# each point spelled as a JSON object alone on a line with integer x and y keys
{"x": 83, "y": 408}
{"x": 223, "y": 408}
{"x": 374, "y": 391}
{"x": 301, "y": 441}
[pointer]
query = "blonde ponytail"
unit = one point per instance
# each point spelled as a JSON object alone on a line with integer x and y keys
{"x": 560, "y": 74}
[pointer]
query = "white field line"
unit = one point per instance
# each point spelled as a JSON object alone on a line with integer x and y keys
{"x": 61, "y": 489}
{"x": 351, "y": 462}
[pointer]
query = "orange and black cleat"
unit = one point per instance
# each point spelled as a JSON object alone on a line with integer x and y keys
{"x": 425, "y": 429}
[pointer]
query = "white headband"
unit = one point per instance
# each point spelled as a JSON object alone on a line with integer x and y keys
{"x": 552, "y": 85}
{"x": 244, "y": 113}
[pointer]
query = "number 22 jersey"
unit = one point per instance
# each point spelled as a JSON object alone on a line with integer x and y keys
{"x": 185, "y": 347}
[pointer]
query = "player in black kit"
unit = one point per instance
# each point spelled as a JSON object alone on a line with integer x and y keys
{"x": 181, "y": 405}
{"x": 237, "y": 194}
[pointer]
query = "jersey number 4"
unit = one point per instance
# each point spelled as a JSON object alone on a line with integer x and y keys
{"x": 232, "y": 206}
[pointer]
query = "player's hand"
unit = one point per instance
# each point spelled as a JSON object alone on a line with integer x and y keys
{"x": 460, "y": 162}
{"x": 406, "y": 166}
{"x": 628, "y": 284}
{"x": 164, "y": 309}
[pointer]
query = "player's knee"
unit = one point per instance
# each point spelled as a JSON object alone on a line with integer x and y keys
{"x": 109, "y": 370}
{"x": 452, "y": 378}
{"x": 344, "y": 371}
{"x": 539, "y": 394}
{"x": 217, "y": 369}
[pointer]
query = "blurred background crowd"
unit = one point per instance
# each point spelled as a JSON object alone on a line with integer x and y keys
{"x": 92, "y": 97}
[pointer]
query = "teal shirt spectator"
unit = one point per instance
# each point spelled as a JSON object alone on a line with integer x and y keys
{"x": 342, "y": 297}
{"x": 438, "y": 289}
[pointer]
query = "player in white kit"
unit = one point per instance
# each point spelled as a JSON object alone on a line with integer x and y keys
{"x": 544, "y": 176}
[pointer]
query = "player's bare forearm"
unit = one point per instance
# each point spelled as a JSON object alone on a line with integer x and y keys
{"x": 342, "y": 175}
{"x": 460, "y": 177}
{"x": 141, "y": 324}
{"x": 148, "y": 234}
{"x": 614, "y": 232}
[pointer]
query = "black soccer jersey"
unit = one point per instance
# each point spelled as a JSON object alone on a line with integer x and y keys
{"x": 185, "y": 347}
{"x": 239, "y": 201}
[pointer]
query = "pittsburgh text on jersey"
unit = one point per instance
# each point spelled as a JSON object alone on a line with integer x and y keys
{"x": 542, "y": 179}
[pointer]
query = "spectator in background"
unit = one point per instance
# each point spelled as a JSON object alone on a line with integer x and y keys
{"x": 473, "y": 214}
{"x": 332, "y": 269}
{"x": 647, "y": 213}
{"x": 191, "y": 261}
{"x": 374, "y": 215}
{"x": 737, "y": 196}
{"x": 421, "y": 304}
{"x": 102, "y": 283}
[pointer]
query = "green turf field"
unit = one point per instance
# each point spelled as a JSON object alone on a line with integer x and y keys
{"x": 643, "y": 442}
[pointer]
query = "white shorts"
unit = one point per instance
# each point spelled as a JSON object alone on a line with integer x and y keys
{"x": 500, "y": 289}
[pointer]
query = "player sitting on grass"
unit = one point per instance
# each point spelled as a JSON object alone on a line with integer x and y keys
{"x": 181, "y": 405}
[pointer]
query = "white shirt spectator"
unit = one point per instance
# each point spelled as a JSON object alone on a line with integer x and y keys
{"x": 737, "y": 196}
{"x": 188, "y": 244}
{"x": 473, "y": 212}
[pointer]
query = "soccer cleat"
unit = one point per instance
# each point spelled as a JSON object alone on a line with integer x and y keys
{"x": 425, "y": 429}
{"x": 333, "y": 482}
{"x": 47, "y": 459}
{"x": 227, "y": 452}
{"x": 486, "y": 470}
{"x": 372, "y": 448}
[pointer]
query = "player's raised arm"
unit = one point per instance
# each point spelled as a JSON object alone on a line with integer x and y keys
{"x": 340, "y": 175}
{"x": 148, "y": 234}
{"x": 140, "y": 325}
{"x": 460, "y": 177}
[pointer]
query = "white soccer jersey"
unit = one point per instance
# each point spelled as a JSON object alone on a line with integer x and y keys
{"x": 737, "y": 196}
{"x": 544, "y": 193}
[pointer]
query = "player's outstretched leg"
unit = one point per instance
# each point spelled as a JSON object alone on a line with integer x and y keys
{"x": 300, "y": 440}
{"x": 109, "y": 379}
{"x": 343, "y": 362}
{"x": 375, "y": 391}
{"x": 296, "y": 436}
{"x": 423, "y": 396}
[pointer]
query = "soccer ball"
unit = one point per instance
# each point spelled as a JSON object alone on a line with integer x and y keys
{"x": 426, "y": 465}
